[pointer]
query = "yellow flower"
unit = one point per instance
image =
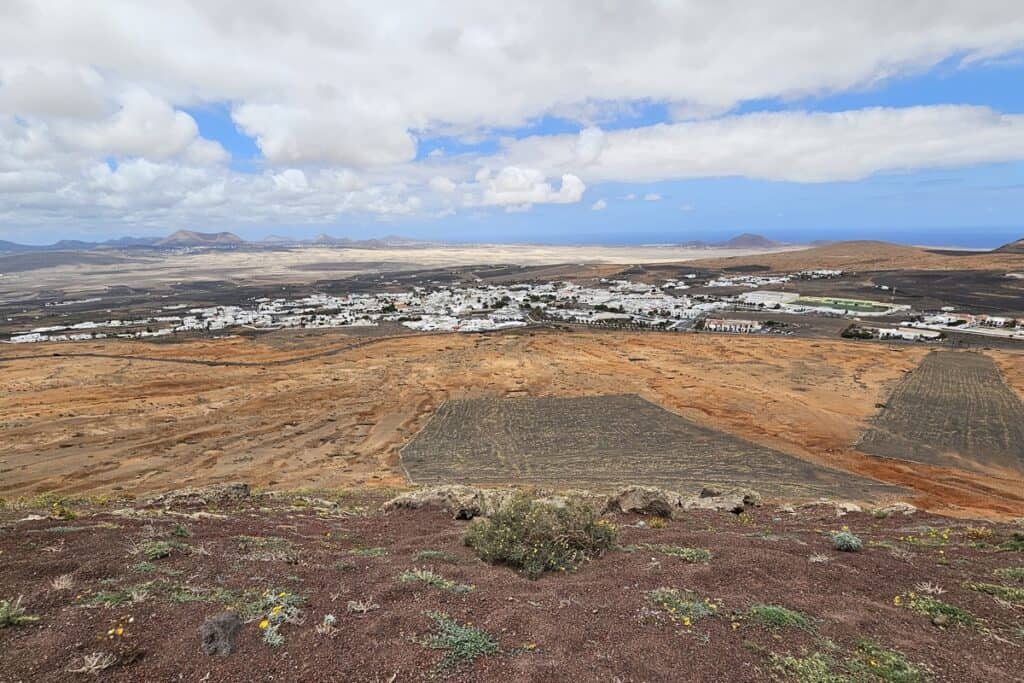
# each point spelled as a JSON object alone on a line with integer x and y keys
{"x": 897, "y": 600}
{"x": 264, "y": 624}
{"x": 282, "y": 594}
{"x": 735, "y": 625}
{"x": 277, "y": 610}
{"x": 119, "y": 631}
{"x": 686, "y": 621}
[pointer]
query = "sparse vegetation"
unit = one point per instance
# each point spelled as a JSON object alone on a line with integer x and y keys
{"x": 776, "y": 616}
{"x": 812, "y": 668}
{"x": 1008, "y": 593}
{"x": 435, "y": 556}
{"x": 94, "y": 663}
{"x": 845, "y": 541}
{"x": 942, "y": 613}
{"x": 695, "y": 555}
{"x": 156, "y": 549}
{"x": 432, "y": 578}
{"x": 1013, "y": 544}
{"x": 684, "y": 607}
{"x": 267, "y": 549}
{"x": 12, "y": 613}
{"x": 63, "y": 582}
{"x": 361, "y": 606}
{"x": 1014, "y": 574}
{"x": 462, "y": 643}
{"x": 368, "y": 552}
{"x": 276, "y": 608}
{"x": 537, "y": 536}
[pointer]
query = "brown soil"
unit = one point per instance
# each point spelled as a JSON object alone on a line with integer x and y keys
{"x": 866, "y": 256}
{"x": 594, "y": 624}
{"x": 334, "y": 410}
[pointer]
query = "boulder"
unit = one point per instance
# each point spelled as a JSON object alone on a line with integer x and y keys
{"x": 215, "y": 494}
{"x": 844, "y": 507}
{"x": 645, "y": 500}
{"x": 895, "y": 508}
{"x": 217, "y": 634}
{"x": 461, "y": 502}
{"x": 734, "y": 500}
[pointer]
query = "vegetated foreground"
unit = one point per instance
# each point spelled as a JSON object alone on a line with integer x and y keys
{"x": 953, "y": 410}
{"x": 601, "y": 441}
{"x": 336, "y": 590}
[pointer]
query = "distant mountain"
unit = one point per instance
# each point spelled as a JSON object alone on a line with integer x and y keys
{"x": 131, "y": 242}
{"x": 14, "y": 247}
{"x": 1015, "y": 247}
{"x": 750, "y": 241}
{"x": 191, "y": 238}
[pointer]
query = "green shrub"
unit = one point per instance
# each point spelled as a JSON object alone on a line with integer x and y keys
{"x": 933, "y": 607}
{"x": 13, "y": 614}
{"x": 1014, "y": 544}
{"x": 776, "y": 616}
{"x": 845, "y": 541}
{"x": 536, "y": 536}
{"x": 462, "y": 643}
{"x": 813, "y": 668}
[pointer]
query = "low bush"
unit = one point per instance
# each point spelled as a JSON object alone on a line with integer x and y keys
{"x": 536, "y": 536}
{"x": 845, "y": 541}
{"x": 432, "y": 578}
{"x": 1014, "y": 574}
{"x": 461, "y": 643}
{"x": 682, "y": 606}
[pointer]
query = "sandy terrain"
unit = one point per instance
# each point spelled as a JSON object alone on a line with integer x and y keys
{"x": 866, "y": 256}
{"x": 335, "y": 410}
{"x": 141, "y": 269}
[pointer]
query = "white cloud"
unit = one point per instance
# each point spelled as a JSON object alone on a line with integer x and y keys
{"x": 790, "y": 146}
{"x": 652, "y": 197}
{"x": 442, "y": 184}
{"x": 599, "y": 205}
{"x": 523, "y": 187}
{"x": 337, "y": 96}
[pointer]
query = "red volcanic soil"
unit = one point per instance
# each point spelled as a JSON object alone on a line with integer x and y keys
{"x": 596, "y": 623}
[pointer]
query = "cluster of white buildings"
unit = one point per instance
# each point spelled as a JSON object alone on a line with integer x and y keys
{"x": 482, "y": 307}
{"x": 989, "y": 325}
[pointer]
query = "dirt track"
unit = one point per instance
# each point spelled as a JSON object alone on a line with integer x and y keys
{"x": 335, "y": 410}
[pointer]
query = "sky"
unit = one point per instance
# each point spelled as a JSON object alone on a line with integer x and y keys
{"x": 618, "y": 122}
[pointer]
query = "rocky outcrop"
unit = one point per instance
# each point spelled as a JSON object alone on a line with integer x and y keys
{"x": 644, "y": 500}
{"x": 206, "y": 496}
{"x": 217, "y": 634}
{"x": 461, "y": 502}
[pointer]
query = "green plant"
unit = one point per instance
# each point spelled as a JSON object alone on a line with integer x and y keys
{"x": 276, "y": 607}
{"x": 156, "y": 550}
{"x": 1013, "y": 544}
{"x": 685, "y": 607}
{"x": 368, "y": 552}
{"x": 12, "y": 613}
{"x": 180, "y": 530}
{"x": 1008, "y": 593}
{"x": 694, "y": 555}
{"x": 883, "y": 664}
{"x": 435, "y": 556}
{"x": 267, "y": 549}
{"x": 461, "y": 643}
{"x": 845, "y": 541}
{"x": 536, "y": 536}
{"x": 812, "y": 668}
{"x": 937, "y": 609}
{"x": 776, "y": 616}
{"x": 434, "y": 579}
{"x": 1011, "y": 574}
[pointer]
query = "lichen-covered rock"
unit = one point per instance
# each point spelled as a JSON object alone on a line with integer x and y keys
{"x": 645, "y": 500}
{"x": 215, "y": 494}
{"x": 217, "y": 634}
{"x": 461, "y": 502}
{"x": 895, "y": 508}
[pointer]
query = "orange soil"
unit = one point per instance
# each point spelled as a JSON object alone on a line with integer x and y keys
{"x": 334, "y": 410}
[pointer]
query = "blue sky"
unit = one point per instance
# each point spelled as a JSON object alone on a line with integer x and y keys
{"x": 568, "y": 123}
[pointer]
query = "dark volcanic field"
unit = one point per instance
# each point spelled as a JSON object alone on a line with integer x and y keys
{"x": 953, "y": 410}
{"x": 605, "y": 441}
{"x": 595, "y": 624}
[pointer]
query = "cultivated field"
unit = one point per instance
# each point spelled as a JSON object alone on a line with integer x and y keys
{"x": 954, "y": 410}
{"x": 601, "y": 441}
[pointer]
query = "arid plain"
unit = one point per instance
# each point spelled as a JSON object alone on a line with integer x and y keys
{"x": 293, "y": 410}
